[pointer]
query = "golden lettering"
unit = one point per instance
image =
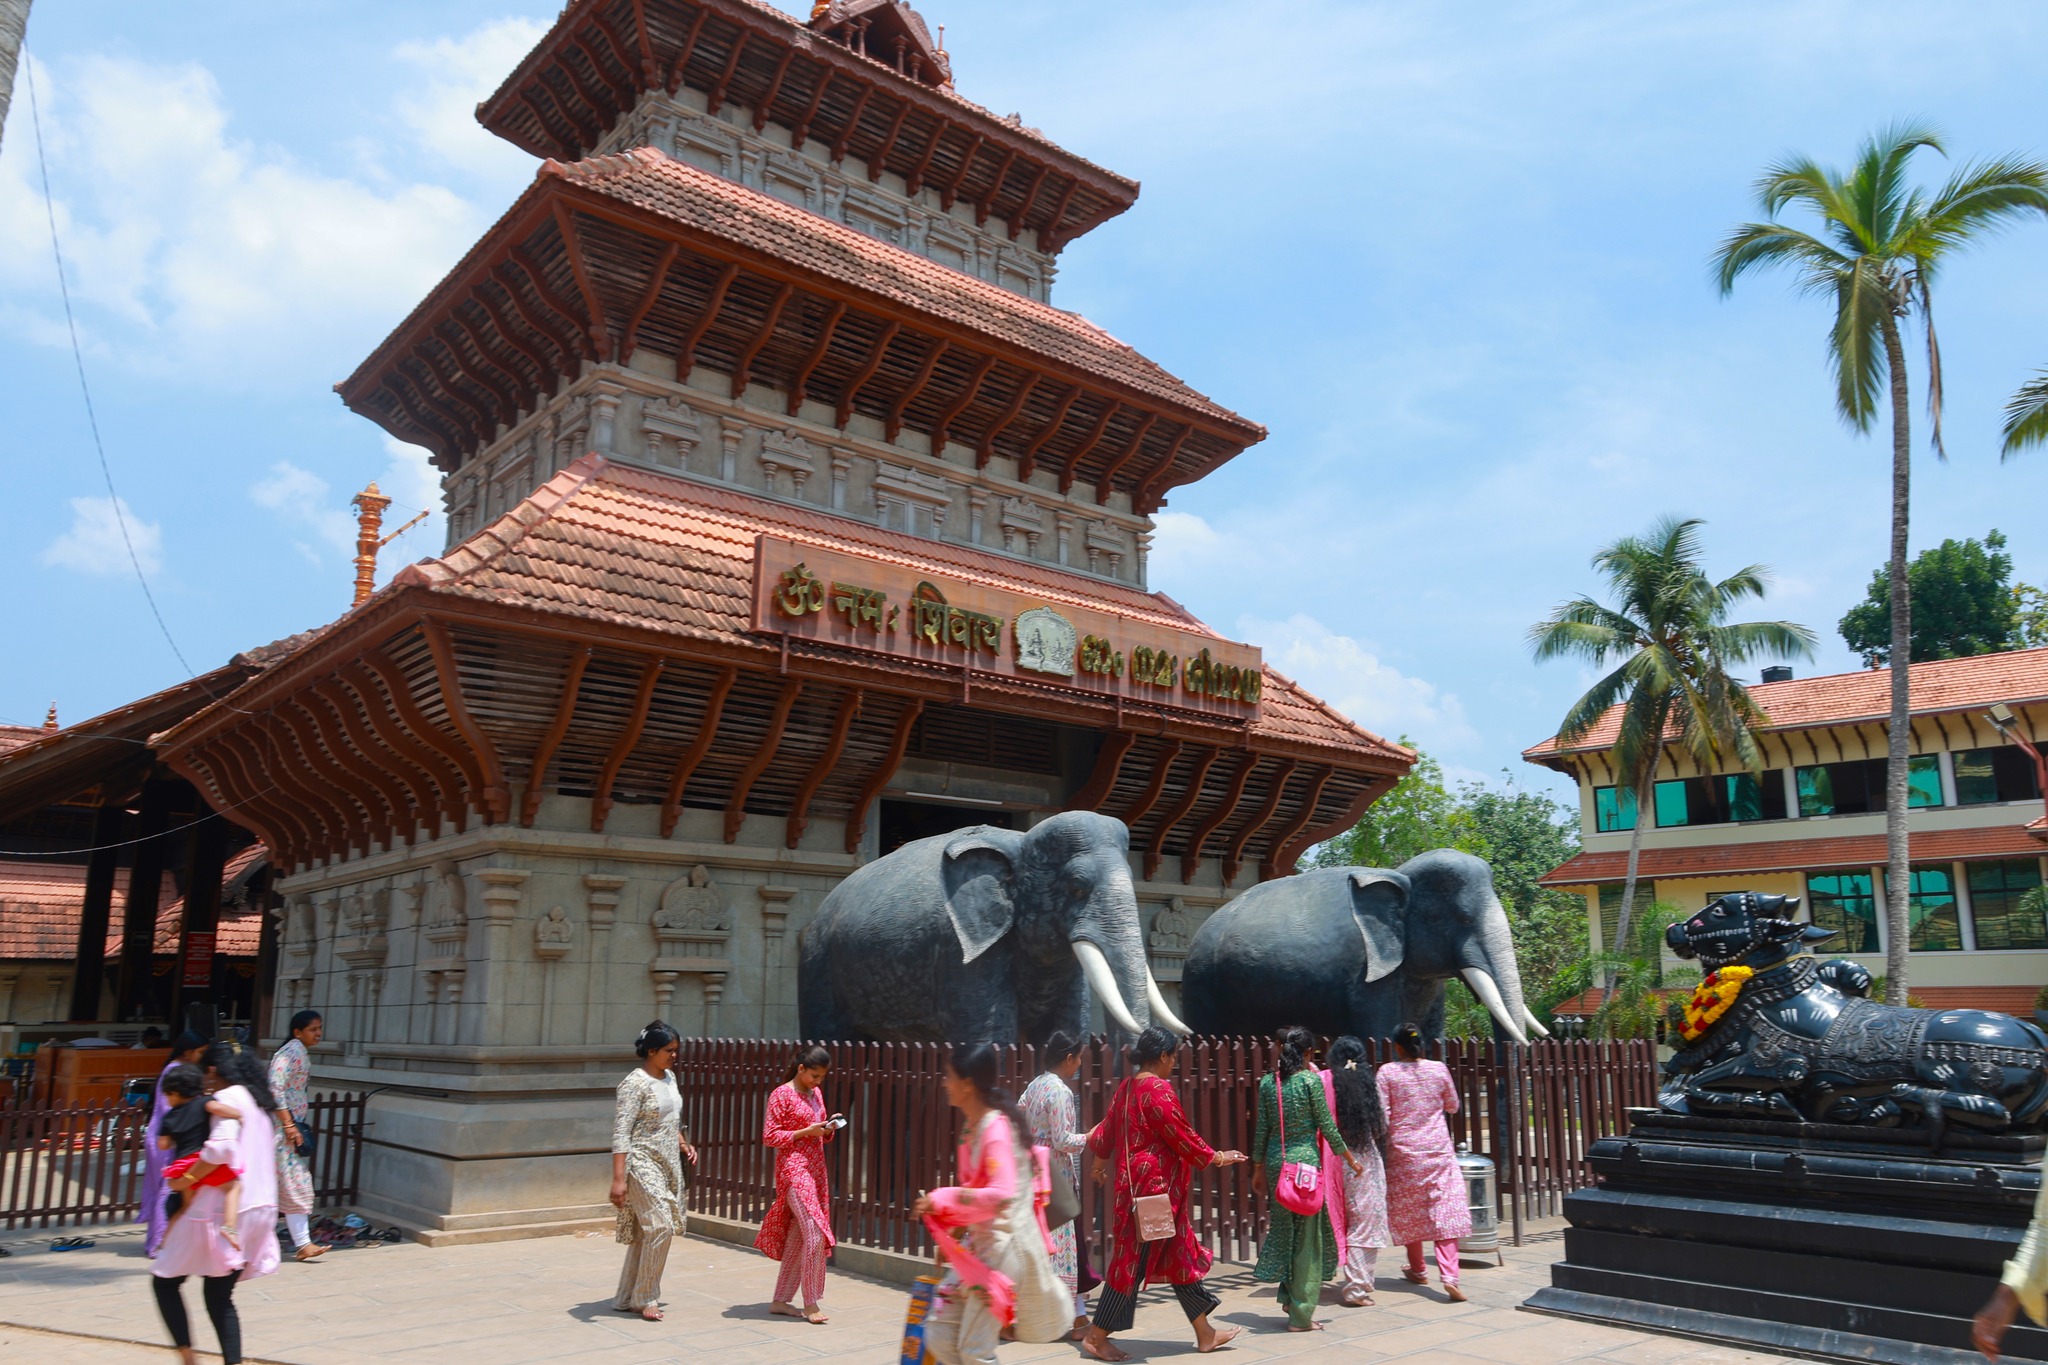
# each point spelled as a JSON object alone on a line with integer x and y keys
{"x": 802, "y": 592}
{"x": 933, "y": 621}
{"x": 860, "y": 606}
{"x": 1099, "y": 657}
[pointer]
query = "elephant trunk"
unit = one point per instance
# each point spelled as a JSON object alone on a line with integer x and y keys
{"x": 1497, "y": 980}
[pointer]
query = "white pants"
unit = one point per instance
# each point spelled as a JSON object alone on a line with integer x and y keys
{"x": 965, "y": 1331}
{"x": 1360, "y": 1264}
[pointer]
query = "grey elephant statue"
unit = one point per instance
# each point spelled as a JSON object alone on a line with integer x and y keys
{"x": 1357, "y": 950}
{"x": 983, "y": 935}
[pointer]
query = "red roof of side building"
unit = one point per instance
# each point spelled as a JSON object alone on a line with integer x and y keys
{"x": 41, "y": 904}
{"x": 1794, "y": 855}
{"x": 2018, "y": 677}
{"x": 12, "y": 737}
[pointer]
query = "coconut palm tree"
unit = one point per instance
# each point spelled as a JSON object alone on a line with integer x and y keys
{"x": 2026, "y": 416}
{"x": 1671, "y": 644}
{"x": 1879, "y": 246}
{"x": 13, "y": 28}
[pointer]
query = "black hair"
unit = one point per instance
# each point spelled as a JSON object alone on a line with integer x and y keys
{"x": 152, "y": 1034}
{"x": 653, "y": 1039}
{"x": 975, "y": 1063}
{"x": 183, "y": 1079}
{"x": 1409, "y": 1039}
{"x": 1360, "y": 1118}
{"x": 238, "y": 1065}
{"x": 304, "y": 1019}
{"x": 1060, "y": 1047}
{"x": 1297, "y": 1044}
{"x": 807, "y": 1057}
{"x": 1154, "y": 1043}
{"x": 188, "y": 1041}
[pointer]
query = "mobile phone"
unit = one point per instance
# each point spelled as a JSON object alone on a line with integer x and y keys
{"x": 836, "y": 1121}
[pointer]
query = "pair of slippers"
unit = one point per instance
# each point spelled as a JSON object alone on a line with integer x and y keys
{"x": 72, "y": 1244}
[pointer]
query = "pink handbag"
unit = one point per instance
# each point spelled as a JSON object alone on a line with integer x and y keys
{"x": 1300, "y": 1187}
{"x": 1151, "y": 1213}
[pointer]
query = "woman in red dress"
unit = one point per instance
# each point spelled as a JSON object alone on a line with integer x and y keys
{"x": 798, "y": 1228}
{"x": 1149, "y": 1148}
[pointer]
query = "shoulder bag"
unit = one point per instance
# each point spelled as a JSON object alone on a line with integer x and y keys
{"x": 1152, "y": 1214}
{"x": 1063, "y": 1206}
{"x": 1299, "y": 1188}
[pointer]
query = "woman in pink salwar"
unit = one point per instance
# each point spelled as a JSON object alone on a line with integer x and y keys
{"x": 1425, "y": 1189}
{"x": 195, "y": 1243}
{"x": 798, "y": 1228}
{"x": 1001, "y": 1276}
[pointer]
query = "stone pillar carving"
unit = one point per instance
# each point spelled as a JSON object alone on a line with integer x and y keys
{"x": 1063, "y": 526}
{"x": 977, "y": 509}
{"x": 669, "y": 422}
{"x": 1106, "y": 548}
{"x": 842, "y": 463}
{"x": 1144, "y": 557}
{"x": 295, "y": 953}
{"x": 553, "y": 937}
{"x": 693, "y": 931}
{"x": 363, "y": 945}
{"x": 774, "y": 926}
{"x": 1022, "y": 519}
{"x": 443, "y": 955}
{"x": 730, "y": 432}
{"x": 504, "y": 887}
{"x": 1173, "y": 931}
{"x": 601, "y": 892}
{"x": 785, "y": 453}
{"x": 604, "y": 417}
{"x": 913, "y": 490}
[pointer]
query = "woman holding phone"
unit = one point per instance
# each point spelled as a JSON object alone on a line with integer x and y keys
{"x": 798, "y": 1228}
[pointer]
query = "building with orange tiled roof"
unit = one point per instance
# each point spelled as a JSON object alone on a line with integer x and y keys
{"x": 789, "y": 521}
{"x": 1811, "y": 824}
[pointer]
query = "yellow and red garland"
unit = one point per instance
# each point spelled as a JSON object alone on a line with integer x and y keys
{"x": 1711, "y": 999}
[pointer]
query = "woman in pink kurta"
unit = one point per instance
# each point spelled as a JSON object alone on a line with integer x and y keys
{"x": 195, "y": 1244}
{"x": 1425, "y": 1190}
{"x": 798, "y": 1228}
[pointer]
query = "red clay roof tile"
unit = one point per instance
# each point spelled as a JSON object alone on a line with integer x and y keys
{"x": 41, "y": 903}
{"x": 1794, "y": 855}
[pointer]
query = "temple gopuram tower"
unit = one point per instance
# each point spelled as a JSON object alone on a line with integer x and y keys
{"x": 787, "y": 521}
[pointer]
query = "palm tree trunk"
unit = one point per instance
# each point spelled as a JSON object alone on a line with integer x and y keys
{"x": 1897, "y": 858}
{"x": 1644, "y": 790}
{"x": 13, "y": 28}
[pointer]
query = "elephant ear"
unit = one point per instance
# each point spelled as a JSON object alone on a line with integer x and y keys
{"x": 980, "y": 867}
{"x": 1379, "y": 902}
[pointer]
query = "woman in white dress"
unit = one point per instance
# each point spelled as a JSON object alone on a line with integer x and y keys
{"x": 291, "y": 1069}
{"x": 1049, "y": 1106}
{"x": 196, "y": 1243}
{"x": 647, "y": 1170}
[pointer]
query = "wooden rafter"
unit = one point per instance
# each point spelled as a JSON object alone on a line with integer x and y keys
{"x": 622, "y": 748}
{"x": 1028, "y": 464}
{"x": 446, "y": 775}
{"x": 1107, "y": 481}
{"x": 578, "y": 327}
{"x": 736, "y": 804}
{"x": 800, "y": 807}
{"x": 512, "y": 338}
{"x": 206, "y": 761}
{"x": 521, "y": 385}
{"x": 943, "y": 426}
{"x": 449, "y": 381}
{"x": 686, "y": 353}
{"x": 294, "y": 767}
{"x": 287, "y": 782}
{"x": 544, "y": 752}
{"x": 1349, "y": 816}
{"x": 951, "y": 191}
{"x": 995, "y": 187}
{"x": 799, "y": 382}
{"x": 800, "y": 131}
{"x": 915, "y": 180}
{"x": 893, "y": 427}
{"x": 573, "y": 139}
{"x": 1146, "y": 498}
{"x": 508, "y": 399}
{"x": 419, "y": 796}
{"x": 624, "y": 99}
{"x": 572, "y": 247}
{"x": 715, "y": 97}
{"x": 1179, "y": 809}
{"x": 1191, "y": 852}
{"x": 630, "y": 341}
{"x": 879, "y": 161}
{"x": 650, "y": 67}
{"x": 844, "y": 412}
{"x": 1109, "y": 761}
{"x": 584, "y": 93}
{"x": 1233, "y": 848}
{"x": 985, "y": 449}
{"x": 707, "y": 731}
{"x": 1071, "y": 466}
{"x": 226, "y": 759}
{"x": 1059, "y": 211}
{"x": 1023, "y": 210}
{"x": 377, "y": 789}
{"x": 839, "y": 144}
{"x": 441, "y": 645}
{"x": 551, "y": 334}
{"x": 688, "y": 48}
{"x": 899, "y": 742}
{"x": 1283, "y": 836}
{"x": 743, "y": 367}
{"x": 394, "y": 383}
{"x": 1162, "y": 765}
{"x": 249, "y": 756}
{"x": 767, "y": 102}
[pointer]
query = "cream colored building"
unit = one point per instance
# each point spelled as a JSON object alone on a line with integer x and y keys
{"x": 1811, "y": 823}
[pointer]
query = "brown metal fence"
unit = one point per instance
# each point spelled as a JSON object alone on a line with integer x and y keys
{"x": 63, "y": 1166}
{"x": 1535, "y": 1110}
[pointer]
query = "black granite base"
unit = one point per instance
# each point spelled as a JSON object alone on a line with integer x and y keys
{"x": 1809, "y": 1240}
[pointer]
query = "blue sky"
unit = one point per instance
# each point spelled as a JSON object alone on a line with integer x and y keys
{"x": 1452, "y": 255}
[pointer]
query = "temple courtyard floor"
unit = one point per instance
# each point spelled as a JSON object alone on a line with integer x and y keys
{"x": 549, "y": 1299}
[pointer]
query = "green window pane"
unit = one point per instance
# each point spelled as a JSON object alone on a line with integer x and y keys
{"x": 1931, "y": 910}
{"x": 1816, "y": 791}
{"x": 1745, "y": 797}
{"x": 2008, "y": 904}
{"x": 1614, "y": 808}
{"x": 1671, "y": 805}
{"x": 1842, "y": 901}
{"x": 1923, "y": 781}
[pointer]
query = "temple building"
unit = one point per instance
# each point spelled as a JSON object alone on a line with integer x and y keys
{"x": 788, "y": 521}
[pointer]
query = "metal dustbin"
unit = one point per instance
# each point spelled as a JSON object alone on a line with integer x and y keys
{"x": 1481, "y": 1194}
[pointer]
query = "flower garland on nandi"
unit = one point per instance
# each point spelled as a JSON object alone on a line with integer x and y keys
{"x": 1712, "y": 998}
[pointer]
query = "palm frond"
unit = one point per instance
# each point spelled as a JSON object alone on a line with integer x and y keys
{"x": 2026, "y": 417}
{"x": 1862, "y": 304}
{"x": 1880, "y": 181}
{"x": 1754, "y": 245}
{"x": 1981, "y": 198}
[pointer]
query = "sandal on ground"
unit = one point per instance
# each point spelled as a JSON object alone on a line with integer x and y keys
{"x": 1415, "y": 1276}
{"x": 652, "y": 1313}
{"x": 1356, "y": 1300}
{"x": 1453, "y": 1293}
{"x": 310, "y": 1251}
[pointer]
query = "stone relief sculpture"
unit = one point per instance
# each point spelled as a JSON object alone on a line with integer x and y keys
{"x": 983, "y": 934}
{"x": 553, "y": 934}
{"x": 1173, "y": 929}
{"x": 1771, "y": 1035}
{"x": 691, "y": 907}
{"x": 1046, "y": 642}
{"x": 1357, "y": 950}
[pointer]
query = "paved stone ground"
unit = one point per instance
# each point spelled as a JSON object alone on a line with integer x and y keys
{"x": 549, "y": 1300}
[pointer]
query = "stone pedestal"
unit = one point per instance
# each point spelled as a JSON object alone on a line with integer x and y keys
{"x": 1804, "y": 1239}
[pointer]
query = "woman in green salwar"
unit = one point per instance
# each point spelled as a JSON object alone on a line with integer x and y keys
{"x": 1301, "y": 1250}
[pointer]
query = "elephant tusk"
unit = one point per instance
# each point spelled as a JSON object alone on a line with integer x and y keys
{"x": 1095, "y": 967}
{"x": 1535, "y": 1024}
{"x": 1162, "y": 1013}
{"x": 1483, "y": 986}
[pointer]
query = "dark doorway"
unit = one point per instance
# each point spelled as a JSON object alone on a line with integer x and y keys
{"x": 903, "y": 821}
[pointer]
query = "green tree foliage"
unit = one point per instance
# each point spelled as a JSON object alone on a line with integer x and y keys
{"x": 2030, "y": 607}
{"x": 1963, "y": 604}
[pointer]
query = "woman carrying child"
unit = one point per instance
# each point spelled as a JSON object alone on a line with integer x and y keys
{"x": 182, "y": 1134}
{"x": 798, "y": 1228}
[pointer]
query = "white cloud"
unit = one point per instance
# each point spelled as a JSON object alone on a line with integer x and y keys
{"x": 303, "y": 501}
{"x": 455, "y": 75}
{"x": 322, "y": 522}
{"x": 95, "y": 543}
{"x": 414, "y": 486}
{"x": 1348, "y": 675}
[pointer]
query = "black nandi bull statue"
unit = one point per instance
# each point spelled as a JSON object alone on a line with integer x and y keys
{"x": 1770, "y": 1035}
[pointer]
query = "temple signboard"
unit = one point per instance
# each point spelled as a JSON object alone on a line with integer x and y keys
{"x": 831, "y": 597}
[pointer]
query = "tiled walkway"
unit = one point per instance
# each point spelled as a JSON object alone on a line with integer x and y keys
{"x": 549, "y": 1300}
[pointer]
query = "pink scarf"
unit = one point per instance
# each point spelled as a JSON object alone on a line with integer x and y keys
{"x": 1001, "y": 1290}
